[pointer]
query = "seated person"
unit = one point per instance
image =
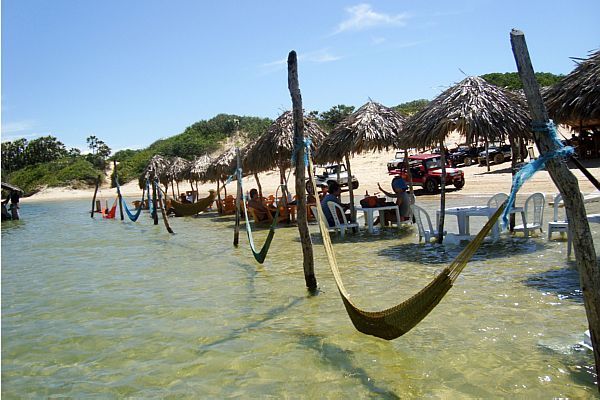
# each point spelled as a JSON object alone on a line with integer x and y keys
{"x": 399, "y": 187}
{"x": 260, "y": 209}
{"x": 334, "y": 192}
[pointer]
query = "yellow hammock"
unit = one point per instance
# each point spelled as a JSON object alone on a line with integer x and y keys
{"x": 396, "y": 321}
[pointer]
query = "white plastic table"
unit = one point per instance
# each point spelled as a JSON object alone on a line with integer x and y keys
{"x": 464, "y": 213}
{"x": 369, "y": 213}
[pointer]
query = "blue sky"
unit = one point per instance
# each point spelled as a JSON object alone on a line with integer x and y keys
{"x": 134, "y": 71}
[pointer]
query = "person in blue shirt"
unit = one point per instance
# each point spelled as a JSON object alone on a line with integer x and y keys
{"x": 334, "y": 192}
{"x": 400, "y": 188}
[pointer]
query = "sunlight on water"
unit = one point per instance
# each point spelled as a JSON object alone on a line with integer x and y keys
{"x": 99, "y": 308}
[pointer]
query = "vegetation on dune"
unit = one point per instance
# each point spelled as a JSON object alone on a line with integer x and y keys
{"x": 511, "y": 80}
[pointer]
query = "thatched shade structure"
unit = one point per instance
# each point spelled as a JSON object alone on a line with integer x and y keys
{"x": 478, "y": 110}
{"x": 371, "y": 127}
{"x": 199, "y": 167}
{"x": 157, "y": 168}
{"x": 222, "y": 167}
{"x": 179, "y": 168}
{"x": 575, "y": 100}
{"x": 275, "y": 147}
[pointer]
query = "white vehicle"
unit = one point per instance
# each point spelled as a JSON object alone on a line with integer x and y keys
{"x": 396, "y": 162}
{"x": 329, "y": 173}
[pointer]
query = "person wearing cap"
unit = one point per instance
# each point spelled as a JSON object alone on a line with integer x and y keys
{"x": 334, "y": 192}
{"x": 400, "y": 193}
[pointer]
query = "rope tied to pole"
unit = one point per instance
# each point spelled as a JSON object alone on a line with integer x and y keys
{"x": 534, "y": 166}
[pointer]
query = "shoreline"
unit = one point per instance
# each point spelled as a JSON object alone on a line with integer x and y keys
{"x": 369, "y": 168}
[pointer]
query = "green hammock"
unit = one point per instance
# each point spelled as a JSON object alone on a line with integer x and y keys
{"x": 394, "y": 322}
{"x": 262, "y": 254}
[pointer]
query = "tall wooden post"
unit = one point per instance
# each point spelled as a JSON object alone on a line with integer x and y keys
{"x": 440, "y": 238}
{"x": 351, "y": 189}
{"x": 307, "y": 250}
{"x": 238, "y": 199}
{"x": 120, "y": 197}
{"x": 589, "y": 273}
{"x": 94, "y": 198}
{"x": 154, "y": 202}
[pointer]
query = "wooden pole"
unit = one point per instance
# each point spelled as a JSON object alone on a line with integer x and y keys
{"x": 154, "y": 203}
{"x": 238, "y": 199}
{"x": 440, "y": 237}
{"x": 351, "y": 190}
{"x": 260, "y": 194}
{"x": 120, "y": 197}
{"x": 589, "y": 273}
{"x": 94, "y": 198}
{"x": 307, "y": 250}
{"x": 163, "y": 211}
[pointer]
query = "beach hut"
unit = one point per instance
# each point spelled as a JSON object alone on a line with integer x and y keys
{"x": 198, "y": 170}
{"x": 276, "y": 146}
{"x": 477, "y": 110}
{"x": 575, "y": 101}
{"x": 179, "y": 169}
{"x": 221, "y": 168}
{"x": 373, "y": 127}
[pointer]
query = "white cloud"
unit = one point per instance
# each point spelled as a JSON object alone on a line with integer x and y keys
{"x": 378, "y": 40}
{"x": 316, "y": 57}
{"x": 17, "y": 126}
{"x": 362, "y": 16}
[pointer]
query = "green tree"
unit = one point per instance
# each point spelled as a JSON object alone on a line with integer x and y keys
{"x": 335, "y": 115}
{"x": 409, "y": 108}
{"x": 511, "y": 80}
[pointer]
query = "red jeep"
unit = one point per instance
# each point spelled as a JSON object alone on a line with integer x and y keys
{"x": 426, "y": 171}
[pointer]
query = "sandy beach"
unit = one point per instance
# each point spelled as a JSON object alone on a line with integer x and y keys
{"x": 369, "y": 168}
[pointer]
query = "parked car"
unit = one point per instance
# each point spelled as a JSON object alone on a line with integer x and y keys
{"x": 465, "y": 155}
{"x": 396, "y": 161}
{"x": 497, "y": 154}
{"x": 329, "y": 173}
{"x": 426, "y": 171}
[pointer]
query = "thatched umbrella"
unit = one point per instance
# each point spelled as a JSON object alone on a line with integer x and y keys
{"x": 157, "y": 168}
{"x": 575, "y": 100}
{"x": 179, "y": 169}
{"x": 371, "y": 127}
{"x": 198, "y": 169}
{"x": 477, "y": 110}
{"x": 276, "y": 146}
{"x": 221, "y": 168}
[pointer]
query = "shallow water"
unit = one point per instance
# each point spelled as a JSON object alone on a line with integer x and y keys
{"x": 111, "y": 309}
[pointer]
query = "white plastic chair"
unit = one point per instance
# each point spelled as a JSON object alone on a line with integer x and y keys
{"x": 421, "y": 216}
{"x": 496, "y": 200}
{"x": 533, "y": 205}
{"x": 560, "y": 226}
{"x": 339, "y": 225}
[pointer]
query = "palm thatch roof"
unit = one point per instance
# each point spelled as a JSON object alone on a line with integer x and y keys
{"x": 157, "y": 168}
{"x": 575, "y": 100}
{"x": 179, "y": 168}
{"x": 199, "y": 167}
{"x": 223, "y": 166}
{"x": 275, "y": 147}
{"x": 476, "y": 109}
{"x": 8, "y": 186}
{"x": 371, "y": 127}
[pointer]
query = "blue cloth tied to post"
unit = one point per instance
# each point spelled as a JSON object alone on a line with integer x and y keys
{"x": 534, "y": 166}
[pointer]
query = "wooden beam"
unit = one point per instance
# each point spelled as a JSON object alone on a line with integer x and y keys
{"x": 94, "y": 198}
{"x": 307, "y": 250}
{"x": 567, "y": 184}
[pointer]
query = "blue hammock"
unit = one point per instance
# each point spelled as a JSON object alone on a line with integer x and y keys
{"x": 131, "y": 216}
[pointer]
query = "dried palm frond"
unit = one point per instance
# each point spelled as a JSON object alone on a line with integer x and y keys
{"x": 575, "y": 100}
{"x": 476, "y": 109}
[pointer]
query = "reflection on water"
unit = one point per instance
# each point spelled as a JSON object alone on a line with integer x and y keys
{"x": 98, "y": 308}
